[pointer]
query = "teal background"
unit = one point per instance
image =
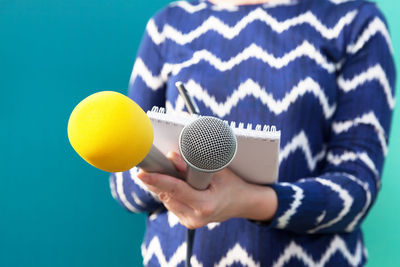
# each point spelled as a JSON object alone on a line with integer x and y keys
{"x": 56, "y": 210}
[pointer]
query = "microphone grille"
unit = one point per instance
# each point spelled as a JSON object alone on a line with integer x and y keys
{"x": 208, "y": 144}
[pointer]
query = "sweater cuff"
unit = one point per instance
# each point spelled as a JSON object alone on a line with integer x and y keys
{"x": 285, "y": 195}
{"x": 285, "y": 199}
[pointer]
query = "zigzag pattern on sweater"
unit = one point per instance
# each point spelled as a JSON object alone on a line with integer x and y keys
{"x": 259, "y": 14}
{"x": 237, "y": 254}
{"x": 294, "y": 250}
{"x": 251, "y": 88}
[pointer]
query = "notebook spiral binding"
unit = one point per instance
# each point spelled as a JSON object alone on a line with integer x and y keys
{"x": 259, "y": 131}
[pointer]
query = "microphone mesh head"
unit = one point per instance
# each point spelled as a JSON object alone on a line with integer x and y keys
{"x": 208, "y": 144}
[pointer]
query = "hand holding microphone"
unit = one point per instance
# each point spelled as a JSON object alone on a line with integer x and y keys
{"x": 207, "y": 146}
{"x": 224, "y": 198}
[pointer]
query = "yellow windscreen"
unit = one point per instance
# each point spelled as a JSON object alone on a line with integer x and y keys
{"x": 110, "y": 131}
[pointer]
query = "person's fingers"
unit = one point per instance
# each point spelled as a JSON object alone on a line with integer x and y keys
{"x": 176, "y": 188}
{"x": 186, "y": 215}
{"x": 178, "y": 161}
{"x": 140, "y": 171}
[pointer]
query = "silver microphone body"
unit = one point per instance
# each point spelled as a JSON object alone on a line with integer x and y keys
{"x": 207, "y": 145}
{"x": 198, "y": 179}
{"x": 155, "y": 161}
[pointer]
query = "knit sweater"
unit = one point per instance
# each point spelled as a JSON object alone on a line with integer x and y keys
{"x": 322, "y": 72}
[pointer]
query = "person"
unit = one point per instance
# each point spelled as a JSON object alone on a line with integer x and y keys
{"x": 322, "y": 72}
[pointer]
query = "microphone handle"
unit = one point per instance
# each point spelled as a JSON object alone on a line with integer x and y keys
{"x": 156, "y": 161}
{"x": 198, "y": 179}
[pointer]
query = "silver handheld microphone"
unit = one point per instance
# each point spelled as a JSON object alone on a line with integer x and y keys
{"x": 207, "y": 145}
{"x": 155, "y": 161}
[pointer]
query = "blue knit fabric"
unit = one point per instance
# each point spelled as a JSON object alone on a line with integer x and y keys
{"x": 322, "y": 72}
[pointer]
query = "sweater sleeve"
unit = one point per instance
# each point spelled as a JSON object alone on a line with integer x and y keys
{"x": 147, "y": 89}
{"x": 340, "y": 197}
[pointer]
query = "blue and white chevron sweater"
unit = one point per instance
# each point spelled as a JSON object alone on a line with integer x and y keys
{"x": 322, "y": 71}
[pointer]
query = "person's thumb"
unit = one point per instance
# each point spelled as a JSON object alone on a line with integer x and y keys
{"x": 178, "y": 161}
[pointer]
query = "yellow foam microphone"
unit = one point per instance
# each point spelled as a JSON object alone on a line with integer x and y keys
{"x": 112, "y": 133}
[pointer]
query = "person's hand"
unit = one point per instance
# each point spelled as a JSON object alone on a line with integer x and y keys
{"x": 227, "y": 196}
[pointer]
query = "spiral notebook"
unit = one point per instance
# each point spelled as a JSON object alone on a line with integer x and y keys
{"x": 256, "y": 158}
